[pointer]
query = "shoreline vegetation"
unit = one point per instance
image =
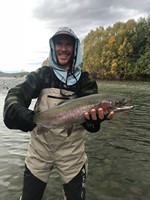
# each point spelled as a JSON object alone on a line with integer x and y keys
{"x": 15, "y": 74}
{"x": 119, "y": 52}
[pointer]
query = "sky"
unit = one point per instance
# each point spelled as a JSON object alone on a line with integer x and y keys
{"x": 27, "y": 25}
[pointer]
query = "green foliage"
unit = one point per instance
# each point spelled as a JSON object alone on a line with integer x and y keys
{"x": 121, "y": 51}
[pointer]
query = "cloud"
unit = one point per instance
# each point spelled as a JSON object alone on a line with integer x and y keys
{"x": 84, "y": 15}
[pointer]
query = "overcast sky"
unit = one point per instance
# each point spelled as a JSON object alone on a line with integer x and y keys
{"x": 27, "y": 25}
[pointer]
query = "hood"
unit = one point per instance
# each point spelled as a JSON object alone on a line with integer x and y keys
{"x": 64, "y": 75}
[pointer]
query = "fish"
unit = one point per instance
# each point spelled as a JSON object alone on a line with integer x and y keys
{"x": 72, "y": 111}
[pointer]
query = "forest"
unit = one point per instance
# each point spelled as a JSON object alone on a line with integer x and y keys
{"x": 118, "y": 52}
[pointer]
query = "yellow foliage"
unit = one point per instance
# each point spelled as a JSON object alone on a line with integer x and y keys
{"x": 45, "y": 62}
{"x": 111, "y": 40}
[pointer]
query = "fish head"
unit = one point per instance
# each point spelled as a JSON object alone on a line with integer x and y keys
{"x": 116, "y": 105}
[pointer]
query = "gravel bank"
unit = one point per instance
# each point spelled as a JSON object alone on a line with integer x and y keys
{"x": 8, "y": 82}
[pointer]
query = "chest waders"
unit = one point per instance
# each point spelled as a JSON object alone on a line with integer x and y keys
{"x": 51, "y": 148}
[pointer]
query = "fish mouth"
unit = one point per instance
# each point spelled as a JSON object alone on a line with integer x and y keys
{"x": 123, "y": 108}
{"x": 123, "y": 105}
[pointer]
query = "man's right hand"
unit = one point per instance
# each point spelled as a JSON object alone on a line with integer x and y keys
{"x": 98, "y": 114}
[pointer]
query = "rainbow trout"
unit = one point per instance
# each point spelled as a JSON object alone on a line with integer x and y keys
{"x": 72, "y": 112}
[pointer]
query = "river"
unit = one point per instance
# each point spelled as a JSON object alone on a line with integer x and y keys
{"x": 119, "y": 155}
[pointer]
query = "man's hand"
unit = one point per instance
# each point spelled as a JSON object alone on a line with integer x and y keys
{"x": 94, "y": 114}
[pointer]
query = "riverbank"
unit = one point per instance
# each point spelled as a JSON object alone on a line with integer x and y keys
{"x": 7, "y": 82}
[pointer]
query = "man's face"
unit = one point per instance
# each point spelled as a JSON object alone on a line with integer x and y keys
{"x": 64, "y": 47}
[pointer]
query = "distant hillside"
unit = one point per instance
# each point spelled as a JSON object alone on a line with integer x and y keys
{"x": 18, "y": 74}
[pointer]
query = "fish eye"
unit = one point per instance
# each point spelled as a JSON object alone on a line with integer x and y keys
{"x": 117, "y": 103}
{"x": 120, "y": 102}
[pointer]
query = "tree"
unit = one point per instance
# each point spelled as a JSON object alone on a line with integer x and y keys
{"x": 121, "y": 51}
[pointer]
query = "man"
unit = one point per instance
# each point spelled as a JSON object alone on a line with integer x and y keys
{"x": 60, "y": 81}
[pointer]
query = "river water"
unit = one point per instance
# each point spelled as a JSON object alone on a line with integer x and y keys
{"x": 119, "y": 155}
